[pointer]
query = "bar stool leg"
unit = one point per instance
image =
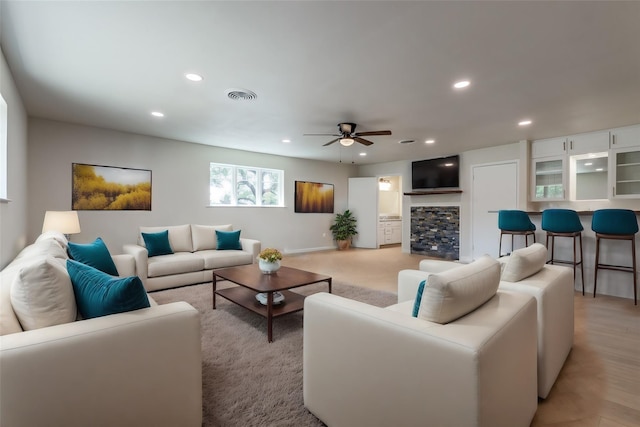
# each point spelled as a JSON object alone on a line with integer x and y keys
{"x": 595, "y": 275}
{"x": 635, "y": 285}
{"x": 500, "y": 245}
{"x": 574, "y": 259}
{"x": 581, "y": 263}
{"x": 512, "y": 243}
{"x": 547, "y": 245}
{"x": 553, "y": 247}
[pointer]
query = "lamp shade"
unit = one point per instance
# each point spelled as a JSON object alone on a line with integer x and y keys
{"x": 66, "y": 222}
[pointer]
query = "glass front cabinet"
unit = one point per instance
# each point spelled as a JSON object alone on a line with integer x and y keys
{"x": 625, "y": 173}
{"x": 548, "y": 178}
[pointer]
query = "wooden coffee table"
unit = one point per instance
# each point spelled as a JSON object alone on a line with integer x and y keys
{"x": 252, "y": 282}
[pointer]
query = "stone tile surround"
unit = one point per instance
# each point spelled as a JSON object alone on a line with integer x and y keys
{"x": 435, "y": 231}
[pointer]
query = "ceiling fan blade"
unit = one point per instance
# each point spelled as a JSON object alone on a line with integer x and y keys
{"x": 330, "y": 142}
{"x": 375, "y": 132}
{"x": 320, "y": 134}
{"x": 362, "y": 140}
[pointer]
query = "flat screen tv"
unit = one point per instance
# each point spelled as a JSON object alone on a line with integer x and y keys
{"x": 435, "y": 173}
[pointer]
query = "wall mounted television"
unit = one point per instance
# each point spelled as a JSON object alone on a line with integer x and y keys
{"x": 430, "y": 174}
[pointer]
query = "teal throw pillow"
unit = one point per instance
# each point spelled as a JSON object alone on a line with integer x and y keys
{"x": 157, "y": 243}
{"x": 416, "y": 304}
{"x": 94, "y": 254}
{"x": 98, "y": 294}
{"x": 228, "y": 240}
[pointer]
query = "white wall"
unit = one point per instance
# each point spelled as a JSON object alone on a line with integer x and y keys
{"x": 13, "y": 215}
{"x": 180, "y": 186}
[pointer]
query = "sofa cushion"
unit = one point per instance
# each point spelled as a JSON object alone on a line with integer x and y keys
{"x": 179, "y": 236}
{"x": 99, "y": 294}
{"x": 157, "y": 243}
{"x": 453, "y": 293}
{"x": 42, "y": 248}
{"x": 54, "y": 235}
{"x": 524, "y": 262}
{"x": 177, "y": 263}
{"x": 228, "y": 240}
{"x": 220, "y": 259}
{"x": 204, "y": 236}
{"x": 42, "y": 295}
{"x": 94, "y": 254}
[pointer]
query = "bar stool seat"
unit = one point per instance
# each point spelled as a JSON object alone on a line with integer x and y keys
{"x": 616, "y": 224}
{"x": 564, "y": 223}
{"x": 515, "y": 223}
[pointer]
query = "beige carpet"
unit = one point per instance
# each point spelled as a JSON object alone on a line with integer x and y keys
{"x": 246, "y": 380}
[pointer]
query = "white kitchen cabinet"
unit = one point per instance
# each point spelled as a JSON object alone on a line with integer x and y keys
{"x": 584, "y": 143}
{"x": 548, "y": 147}
{"x": 625, "y": 173}
{"x": 548, "y": 178}
{"x": 628, "y": 136}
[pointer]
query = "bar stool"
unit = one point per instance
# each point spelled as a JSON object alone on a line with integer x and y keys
{"x": 515, "y": 222}
{"x": 564, "y": 223}
{"x": 616, "y": 224}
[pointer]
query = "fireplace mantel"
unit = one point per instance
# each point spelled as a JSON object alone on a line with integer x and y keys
{"x": 428, "y": 193}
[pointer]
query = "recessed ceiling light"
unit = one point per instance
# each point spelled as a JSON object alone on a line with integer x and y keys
{"x": 524, "y": 123}
{"x": 599, "y": 169}
{"x": 194, "y": 77}
{"x": 363, "y": 154}
{"x": 588, "y": 164}
{"x": 286, "y": 140}
{"x": 448, "y": 164}
{"x": 461, "y": 84}
{"x": 430, "y": 141}
{"x": 157, "y": 114}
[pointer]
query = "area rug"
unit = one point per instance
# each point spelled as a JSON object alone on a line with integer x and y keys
{"x": 246, "y": 380}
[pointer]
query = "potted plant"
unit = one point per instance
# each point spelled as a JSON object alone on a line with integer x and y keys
{"x": 343, "y": 229}
{"x": 269, "y": 260}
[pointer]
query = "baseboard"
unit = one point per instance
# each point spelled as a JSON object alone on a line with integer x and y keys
{"x": 305, "y": 250}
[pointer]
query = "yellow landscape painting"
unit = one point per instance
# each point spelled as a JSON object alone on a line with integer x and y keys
{"x": 110, "y": 188}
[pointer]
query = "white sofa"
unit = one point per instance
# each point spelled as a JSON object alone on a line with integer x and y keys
{"x": 194, "y": 258}
{"x": 371, "y": 366}
{"x": 142, "y": 367}
{"x": 551, "y": 285}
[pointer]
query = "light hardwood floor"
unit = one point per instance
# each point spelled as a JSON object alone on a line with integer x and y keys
{"x": 599, "y": 384}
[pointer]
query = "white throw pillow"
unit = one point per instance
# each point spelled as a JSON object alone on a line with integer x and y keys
{"x": 524, "y": 262}
{"x": 42, "y": 294}
{"x": 54, "y": 235}
{"x": 179, "y": 236}
{"x": 204, "y": 236}
{"x": 450, "y": 295}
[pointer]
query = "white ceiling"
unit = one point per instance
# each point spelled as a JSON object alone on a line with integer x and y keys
{"x": 568, "y": 66}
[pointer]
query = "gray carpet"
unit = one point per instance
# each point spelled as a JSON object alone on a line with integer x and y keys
{"x": 246, "y": 380}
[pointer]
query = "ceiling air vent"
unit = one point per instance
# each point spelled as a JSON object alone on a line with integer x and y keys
{"x": 407, "y": 141}
{"x": 241, "y": 94}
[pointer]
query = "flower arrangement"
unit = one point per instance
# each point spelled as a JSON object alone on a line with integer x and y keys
{"x": 270, "y": 255}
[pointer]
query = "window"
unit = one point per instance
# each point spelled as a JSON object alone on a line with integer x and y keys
{"x": 231, "y": 185}
{"x": 4, "y": 173}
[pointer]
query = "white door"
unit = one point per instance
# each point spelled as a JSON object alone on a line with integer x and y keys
{"x": 363, "y": 203}
{"x": 495, "y": 187}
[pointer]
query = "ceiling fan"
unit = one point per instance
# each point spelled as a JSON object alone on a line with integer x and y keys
{"x": 348, "y": 135}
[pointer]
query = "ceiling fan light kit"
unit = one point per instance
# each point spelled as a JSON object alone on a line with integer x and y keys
{"x": 348, "y": 135}
{"x": 347, "y": 141}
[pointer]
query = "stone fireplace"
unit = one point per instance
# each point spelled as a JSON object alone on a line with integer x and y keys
{"x": 435, "y": 231}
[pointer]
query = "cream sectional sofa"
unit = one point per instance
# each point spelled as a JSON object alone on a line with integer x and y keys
{"x": 194, "y": 258}
{"x": 525, "y": 271}
{"x": 371, "y": 366}
{"x": 142, "y": 367}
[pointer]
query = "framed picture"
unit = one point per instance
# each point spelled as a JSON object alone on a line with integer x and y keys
{"x": 313, "y": 197}
{"x": 101, "y": 188}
